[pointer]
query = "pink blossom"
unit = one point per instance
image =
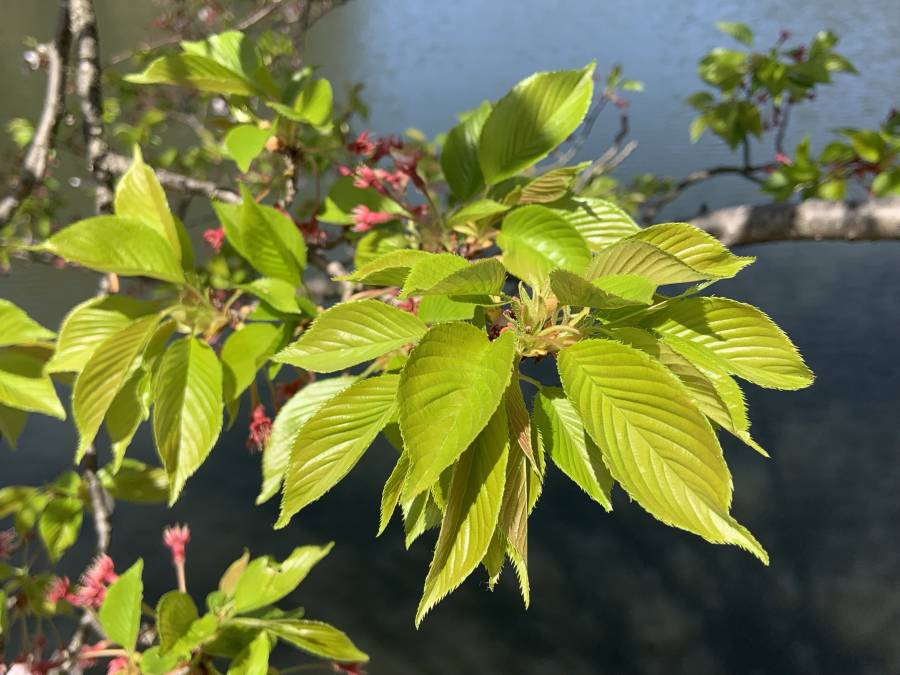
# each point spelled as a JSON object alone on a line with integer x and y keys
{"x": 60, "y": 589}
{"x": 260, "y": 429}
{"x": 397, "y": 180}
{"x": 312, "y": 233}
{"x": 364, "y": 219}
{"x": 94, "y": 582}
{"x": 363, "y": 145}
{"x": 176, "y": 537}
{"x": 7, "y": 542}
{"x": 385, "y": 145}
{"x": 782, "y": 158}
{"x": 408, "y": 165}
{"x": 345, "y": 170}
{"x": 215, "y": 238}
{"x": 117, "y": 665}
{"x": 367, "y": 177}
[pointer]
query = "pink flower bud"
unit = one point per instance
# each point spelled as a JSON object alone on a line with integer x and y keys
{"x": 215, "y": 238}
{"x": 176, "y": 537}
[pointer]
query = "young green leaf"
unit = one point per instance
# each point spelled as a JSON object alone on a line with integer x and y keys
{"x": 187, "y": 415}
{"x": 538, "y": 114}
{"x": 569, "y": 446}
{"x": 244, "y": 142}
{"x": 390, "y": 496}
{"x": 139, "y": 196}
{"x": 288, "y": 422}
{"x": 89, "y": 324}
{"x": 128, "y": 409}
{"x": 600, "y": 222}
{"x": 333, "y": 440}
{"x": 739, "y": 31}
{"x": 459, "y": 155}
{"x": 654, "y": 441}
{"x": 254, "y": 658}
{"x": 640, "y": 258}
{"x": 175, "y": 612}
{"x": 105, "y": 373}
{"x": 535, "y": 241}
{"x": 483, "y": 209}
{"x": 197, "y": 72}
{"x": 476, "y": 280}
{"x": 473, "y": 507}
{"x": 738, "y": 337}
{"x": 390, "y": 269}
{"x": 551, "y": 186}
{"x": 24, "y": 386}
{"x": 266, "y": 581}
{"x": 121, "y": 245}
{"x": 282, "y": 295}
{"x": 266, "y": 238}
{"x": 60, "y": 524}
{"x": 571, "y": 289}
{"x": 243, "y": 354}
{"x": 449, "y": 389}
{"x": 695, "y": 248}
{"x": 17, "y": 328}
{"x": 351, "y": 333}
{"x": 12, "y": 422}
{"x": 315, "y": 637}
{"x": 120, "y": 613}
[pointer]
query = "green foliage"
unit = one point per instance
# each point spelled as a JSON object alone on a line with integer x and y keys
{"x": 472, "y": 262}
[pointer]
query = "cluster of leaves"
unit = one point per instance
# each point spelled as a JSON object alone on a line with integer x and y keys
{"x": 462, "y": 295}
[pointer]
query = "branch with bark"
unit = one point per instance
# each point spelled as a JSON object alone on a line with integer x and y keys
{"x": 37, "y": 157}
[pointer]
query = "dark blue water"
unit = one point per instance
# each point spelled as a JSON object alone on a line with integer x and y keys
{"x": 612, "y": 593}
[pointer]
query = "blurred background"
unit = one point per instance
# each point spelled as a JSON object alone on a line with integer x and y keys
{"x": 612, "y": 593}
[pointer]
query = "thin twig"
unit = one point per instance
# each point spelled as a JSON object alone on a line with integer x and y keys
{"x": 118, "y": 164}
{"x": 34, "y": 166}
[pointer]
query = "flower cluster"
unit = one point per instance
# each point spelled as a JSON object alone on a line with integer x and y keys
{"x": 92, "y": 586}
{"x": 176, "y": 538}
{"x": 260, "y": 429}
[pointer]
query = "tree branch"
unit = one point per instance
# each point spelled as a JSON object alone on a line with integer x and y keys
{"x": 34, "y": 166}
{"x": 88, "y": 86}
{"x": 118, "y": 164}
{"x": 811, "y": 220}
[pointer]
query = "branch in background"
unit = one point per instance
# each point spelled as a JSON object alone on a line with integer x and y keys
{"x": 34, "y": 166}
{"x": 655, "y": 205}
{"x": 88, "y": 86}
{"x": 811, "y": 220}
{"x": 118, "y": 164}
{"x": 612, "y": 157}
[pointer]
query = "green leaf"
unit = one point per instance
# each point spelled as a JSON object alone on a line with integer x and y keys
{"x": 538, "y": 114}
{"x": 88, "y": 325}
{"x": 288, "y": 422}
{"x": 175, "y": 612}
{"x": 312, "y": 105}
{"x": 451, "y": 385}
{"x": 478, "y": 279}
{"x": 267, "y": 239}
{"x": 351, "y": 333}
{"x": 625, "y": 290}
{"x": 120, "y": 245}
{"x": 343, "y": 197}
{"x": 316, "y": 638}
{"x": 154, "y": 662}
{"x": 695, "y": 248}
{"x": 59, "y": 525}
{"x": 120, "y": 613}
{"x": 429, "y": 270}
{"x": 24, "y": 386}
{"x": 440, "y": 309}
{"x": 12, "y": 422}
{"x": 244, "y": 142}
{"x": 187, "y": 415}
{"x": 105, "y": 373}
{"x": 738, "y": 337}
{"x": 600, "y": 222}
{"x": 459, "y": 154}
{"x": 654, "y": 441}
{"x": 266, "y": 581}
{"x": 139, "y": 196}
{"x": 739, "y": 31}
{"x": 473, "y": 507}
{"x": 379, "y": 242}
{"x": 714, "y": 393}
{"x": 135, "y": 482}
{"x": 333, "y": 440}
{"x": 634, "y": 257}
{"x": 282, "y": 295}
{"x": 390, "y": 269}
{"x": 571, "y": 449}
{"x": 253, "y": 659}
{"x": 128, "y": 409}
{"x": 195, "y": 71}
{"x": 390, "y": 496}
{"x": 551, "y": 186}
{"x": 535, "y": 241}
{"x": 482, "y": 209}
{"x": 243, "y": 354}
{"x": 17, "y": 328}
